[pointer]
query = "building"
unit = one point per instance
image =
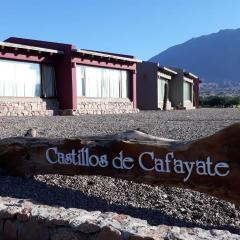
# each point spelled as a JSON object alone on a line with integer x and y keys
{"x": 152, "y": 80}
{"x": 184, "y": 90}
{"x": 46, "y": 78}
{"x": 156, "y": 82}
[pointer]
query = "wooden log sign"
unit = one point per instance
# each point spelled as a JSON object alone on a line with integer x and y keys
{"x": 210, "y": 165}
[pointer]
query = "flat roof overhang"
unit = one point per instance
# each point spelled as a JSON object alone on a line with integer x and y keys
{"x": 192, "y": 76}
{"x": 16, "y": 47}
{"x": 109, "y": 57}
{"x": 166, "y": 70}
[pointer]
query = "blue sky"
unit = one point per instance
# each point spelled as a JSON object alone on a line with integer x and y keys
{"x": 142, "y": 28}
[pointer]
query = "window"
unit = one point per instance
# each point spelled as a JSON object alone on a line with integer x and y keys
{"x": 102, "y": 82}
{"x": 48, "y": 81}
{"x": 187, "y": 91}
{"x": 161, "y": 88}
{"x": 23, "y": 79}
{"x": 19, "y": 79}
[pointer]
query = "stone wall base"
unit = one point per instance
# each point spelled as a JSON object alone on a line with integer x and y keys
{"x": 169, "y": 105}
{"x": 24, "y": 220}
{"x": 49, "y": 107}
{"x": 188, "y": 105}
{"x": 28, "y": 107}
{"x": 104, "y": 106}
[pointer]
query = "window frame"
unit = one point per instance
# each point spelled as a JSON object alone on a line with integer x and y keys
{"x": 120, "y": 85}
{"x": 55, "y": 80}
{"x": 190, "y": 87}
{"x": 40, "y": 65}
{"x": 27, "y": 62}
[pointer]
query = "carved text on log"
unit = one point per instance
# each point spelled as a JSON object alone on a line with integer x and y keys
{"x": 169, "y": 164}
{"x": 210, "y": 164}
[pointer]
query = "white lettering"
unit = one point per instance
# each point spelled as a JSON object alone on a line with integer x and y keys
{"x": 68, "y": 158}
{"x": 189, "y": 167}
{"x": 178, "y": 166}
{"x": 222, "y": 165}
{"x": 146, "y": 161}
{"x": 209, "y": 164}
{"x": 159, "y": 165}
{"x": 93, "y": 160}
{"x": 61, "y": 158}
{"x": 140, "y": 160}
{"x": 74, "y": 161}
{"x": 117, "y": 161}
{"x": 128, "y": 163}
{"x": 54, "y": 150}
{"x": 168, "y": 161}
{"x": 103, "y": 162}
{"x": 201, "y": 168}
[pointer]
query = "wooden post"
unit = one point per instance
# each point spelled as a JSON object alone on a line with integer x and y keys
{"x": 210, "y": 165}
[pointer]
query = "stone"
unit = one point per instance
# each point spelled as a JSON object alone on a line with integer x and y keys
{"x": 111, "y": 106}
{"x": 23, "y": 216}
{"x": 109, "y": 233}
{"x": 10, "y": 230}
{"x": 137, "y": 237}
{"x": 1, "y": 228}
{"x": 32, "y": 230}
{"x": 129, "y": 228}
{"x": 67, "y": 112}
{"x": 86, "y": 222}
{"x": 66, "y": 234}
{"x": 9, "y": 212}
{"x": 32, "y": 132}
{"x": 36, "y": 107}
{"x": 88, "y": 227}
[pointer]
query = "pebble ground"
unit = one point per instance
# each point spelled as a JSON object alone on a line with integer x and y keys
{"x": 157, "y": 205}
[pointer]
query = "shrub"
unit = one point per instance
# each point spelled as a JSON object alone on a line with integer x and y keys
{"x": 219, "y": 101}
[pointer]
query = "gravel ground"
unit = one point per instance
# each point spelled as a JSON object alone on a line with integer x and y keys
{"x": 158, "y": 205}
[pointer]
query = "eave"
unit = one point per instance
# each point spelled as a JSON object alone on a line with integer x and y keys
{"x": 106, "y": 56}
{"x": 16, "y": 47}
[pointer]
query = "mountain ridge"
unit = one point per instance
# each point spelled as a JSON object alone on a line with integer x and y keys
{"x": 214, "y": 57}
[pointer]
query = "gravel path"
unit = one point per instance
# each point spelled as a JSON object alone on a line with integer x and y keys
{"x": 158, "y": 205}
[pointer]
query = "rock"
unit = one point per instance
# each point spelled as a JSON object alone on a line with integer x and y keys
{"x": 136, "y": 237}
{"x": 32, "y": 230}
{"x": 23, "y": 216}
{"x": 32, "y": 132}
{"x": 9, "y": 212}
{"x": 88, "y": 227}
{"x": 25, "y": 212}
{"x": 109, "y": 233}
{"x": 66, "y": 234}
{"x": 1, "y": 229}
{"x": 10, "y": 230}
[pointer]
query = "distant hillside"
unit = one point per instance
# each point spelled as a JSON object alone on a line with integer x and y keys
{"x": 215, "y": 58}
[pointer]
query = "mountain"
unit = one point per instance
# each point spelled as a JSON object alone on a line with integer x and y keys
{"x": 215, "y": 58}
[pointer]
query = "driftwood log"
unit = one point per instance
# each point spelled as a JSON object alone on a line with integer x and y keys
{"x": 210, "y": 165}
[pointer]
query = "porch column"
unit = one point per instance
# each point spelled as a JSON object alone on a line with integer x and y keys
{"x": 74, "y": 86}
{"x": 134, "y": 88}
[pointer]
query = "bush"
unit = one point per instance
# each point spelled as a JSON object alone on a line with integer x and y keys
{"x": 219, "y": 101}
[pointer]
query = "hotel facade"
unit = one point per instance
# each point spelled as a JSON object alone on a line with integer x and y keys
{"x": 45, "y": 78}
{"x": 155, "y": 82}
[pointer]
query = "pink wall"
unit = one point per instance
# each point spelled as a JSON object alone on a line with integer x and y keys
{"x": 147, "y": 88}
{"x": 196, "y": 93}
{"x": 130, "y": 66}
{"x": 66, "y": 68}
{"x": 66, "y": 97}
